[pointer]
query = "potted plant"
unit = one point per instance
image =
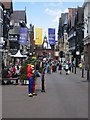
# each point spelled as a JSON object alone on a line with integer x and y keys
{"x": 23, "y": 72}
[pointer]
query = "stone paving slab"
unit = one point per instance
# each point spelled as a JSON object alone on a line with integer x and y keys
{"x": 66, "y": 97}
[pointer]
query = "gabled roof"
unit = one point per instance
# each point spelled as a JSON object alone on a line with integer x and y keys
{"x": 80, "y": 15}
{"x": 73, "y": 21}
{"x": 19, "y": 15}
{"x": 64, "y": 17}
{"x": 7, "y": 5}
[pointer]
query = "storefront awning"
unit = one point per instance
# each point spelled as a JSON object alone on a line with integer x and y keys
{"x": 19, "y": 55}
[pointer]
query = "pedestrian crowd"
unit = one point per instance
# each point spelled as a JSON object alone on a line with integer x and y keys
{"x": 35, "y": 70}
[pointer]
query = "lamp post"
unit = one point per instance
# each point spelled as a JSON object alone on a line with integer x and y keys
{"x": 78, "y": 41}
{"x": 76, "y": 54}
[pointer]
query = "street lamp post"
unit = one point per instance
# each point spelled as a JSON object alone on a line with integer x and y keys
{"x": 78, "y": 29}
{"x": 76, "y": 54}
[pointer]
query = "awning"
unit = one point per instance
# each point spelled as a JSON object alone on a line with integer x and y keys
{"x": 19, "y": 55}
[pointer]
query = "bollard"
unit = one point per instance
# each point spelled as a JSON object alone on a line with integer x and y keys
{"x": 43, "y": 86}
{"x": 87, "y": 74}
{"x": 82, "y": 73}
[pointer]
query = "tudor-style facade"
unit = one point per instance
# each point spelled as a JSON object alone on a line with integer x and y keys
{"x": 86, "y": 40}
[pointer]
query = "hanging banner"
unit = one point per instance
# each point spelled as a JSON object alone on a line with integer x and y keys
{"x": 38, "y": 36}
{"x": 51, "y": 36}
{"x": 23, "y": 36}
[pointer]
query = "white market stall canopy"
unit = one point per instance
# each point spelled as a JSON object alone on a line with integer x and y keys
{"x": 19, "y": 55}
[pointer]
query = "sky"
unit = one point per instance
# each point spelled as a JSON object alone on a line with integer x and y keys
{"x": 45, "y": 14}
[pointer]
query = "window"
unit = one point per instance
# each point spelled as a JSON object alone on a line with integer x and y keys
{"x": 0, "y": 30}
{"x": 0, "y": 13}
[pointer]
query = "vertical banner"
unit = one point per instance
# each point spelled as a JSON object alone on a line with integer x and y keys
{"x": 51, "y": 36}
{"x": 38, "y": 36}
{"x": 23, "y": 36}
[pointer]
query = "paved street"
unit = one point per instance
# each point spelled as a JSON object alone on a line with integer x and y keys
{"x": 0, "y": 101}
{"x": 66, "y": 97}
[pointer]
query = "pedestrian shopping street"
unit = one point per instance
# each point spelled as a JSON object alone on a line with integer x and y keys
{"x": 66, "y": 96}
{"x": 44, "y": 59}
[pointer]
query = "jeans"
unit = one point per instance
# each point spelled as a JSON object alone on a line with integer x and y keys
{"x": 30, "y": 86}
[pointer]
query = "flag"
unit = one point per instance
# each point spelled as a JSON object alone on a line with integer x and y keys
{"x": 38, "y": 36}
{"x": 51, "y": 36}
{"x": 23, "y": 36}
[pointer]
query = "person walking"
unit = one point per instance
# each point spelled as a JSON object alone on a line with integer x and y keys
{"x": 51, "y": 68}
{"x": 66, "y": 68}
{"x": 60, "y": 68}
{"x": 70, "y": 65}
{"x": 43, "y": 79}
{"x": 80, "y": 66}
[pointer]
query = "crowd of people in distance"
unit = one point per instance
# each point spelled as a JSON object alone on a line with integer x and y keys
{"x": 37, "y": 69}
{"x": 51, "y": 66}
